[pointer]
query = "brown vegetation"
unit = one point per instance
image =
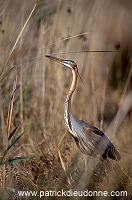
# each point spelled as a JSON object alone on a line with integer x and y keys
{"x": 41, "y": 86}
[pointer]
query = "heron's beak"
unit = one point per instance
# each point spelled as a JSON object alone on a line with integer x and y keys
{"x": 61, "y": 61}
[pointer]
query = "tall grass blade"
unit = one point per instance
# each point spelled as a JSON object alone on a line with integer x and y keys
{"x": 17, "y": 159}
{"x": 10, "y": 145}
{"x": 10, "y": 111}
{"x": 12, "y": 133}
{"x": 18, "y": 38}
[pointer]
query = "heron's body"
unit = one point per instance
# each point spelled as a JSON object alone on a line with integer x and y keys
{"x": 89, "y": 139}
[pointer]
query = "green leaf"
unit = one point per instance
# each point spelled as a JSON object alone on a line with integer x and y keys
{"x": 10, "y": 145}
{"x": 12, "y": 133}
{"x": 17, "y": 159}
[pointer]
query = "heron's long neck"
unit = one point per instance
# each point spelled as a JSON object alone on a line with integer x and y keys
{"x": 67, "y": 111}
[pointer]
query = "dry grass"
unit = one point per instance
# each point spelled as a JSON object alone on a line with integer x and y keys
{"x": 42, "y": 86}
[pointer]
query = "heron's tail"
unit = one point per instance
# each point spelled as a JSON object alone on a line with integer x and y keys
{"x": 113, "y": 153}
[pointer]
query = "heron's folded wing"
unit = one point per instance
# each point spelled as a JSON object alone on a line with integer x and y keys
{"x": 90, "y": 127}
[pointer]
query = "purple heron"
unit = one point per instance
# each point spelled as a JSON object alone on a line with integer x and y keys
{"x": 89, "y": 139}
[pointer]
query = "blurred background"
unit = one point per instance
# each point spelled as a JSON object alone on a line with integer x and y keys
{"x": 104, "y": 101}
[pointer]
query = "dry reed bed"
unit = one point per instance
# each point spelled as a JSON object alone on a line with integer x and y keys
{"x": 42, "y": 86}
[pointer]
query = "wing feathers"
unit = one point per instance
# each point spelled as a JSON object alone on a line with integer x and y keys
{"x": 92, "y": 141}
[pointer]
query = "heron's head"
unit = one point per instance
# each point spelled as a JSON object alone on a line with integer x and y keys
{"x": 68, "y": 63}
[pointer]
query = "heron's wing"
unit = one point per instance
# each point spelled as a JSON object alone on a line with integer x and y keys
{"x": 84, "y": 146}
{"x": 88, "y": 137}
{"x": 90, "y": 127}
{"x": 96, "y": 138}
{"x": 102, "y": 145}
